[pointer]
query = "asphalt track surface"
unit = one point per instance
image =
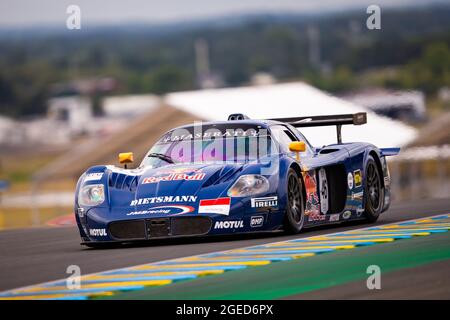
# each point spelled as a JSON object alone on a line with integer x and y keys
{"x": 31, "y": 256}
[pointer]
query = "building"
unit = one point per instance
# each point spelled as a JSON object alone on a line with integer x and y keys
{"x": 289, "y": 100}
{"x": 129, "y": 106}
{"x": 74, "y": 111}
{"x": 401, "y": 105}
{"x": 6, "y": 130}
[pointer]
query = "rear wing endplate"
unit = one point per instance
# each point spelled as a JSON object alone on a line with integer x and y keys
{"x": 389, "y": 151}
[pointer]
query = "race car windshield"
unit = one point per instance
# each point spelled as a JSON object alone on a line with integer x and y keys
{"x": 211, "y": 144}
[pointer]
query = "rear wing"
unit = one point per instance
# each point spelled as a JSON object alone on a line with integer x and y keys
{"x": 333, "y": 120}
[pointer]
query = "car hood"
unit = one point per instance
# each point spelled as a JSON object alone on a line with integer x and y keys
{"x": 152, "y": 186}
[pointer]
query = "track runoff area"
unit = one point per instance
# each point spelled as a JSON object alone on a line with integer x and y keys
{"x": 286, "y": 269}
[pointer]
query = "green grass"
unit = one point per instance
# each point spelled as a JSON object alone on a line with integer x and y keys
{"x": 13, "y": 218}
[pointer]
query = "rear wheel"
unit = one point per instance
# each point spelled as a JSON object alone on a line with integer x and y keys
{"x": 295, "y": 210}
{"x": 373, "y": 191}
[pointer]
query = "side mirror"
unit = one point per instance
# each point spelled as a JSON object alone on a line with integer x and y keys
{"x": 297, "y": 147}
{"x": 125, "y": 158}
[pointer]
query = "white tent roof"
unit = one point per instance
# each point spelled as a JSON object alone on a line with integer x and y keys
{"x": 290, "y": 100}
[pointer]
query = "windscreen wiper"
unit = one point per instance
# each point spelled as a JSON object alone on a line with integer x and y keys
{"x": 161, "y": 156}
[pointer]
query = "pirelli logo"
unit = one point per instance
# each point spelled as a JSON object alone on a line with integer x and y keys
{"x": 264, "y": 202}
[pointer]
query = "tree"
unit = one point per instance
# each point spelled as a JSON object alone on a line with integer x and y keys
{"x": 169, "y": 78}
{"x": 429, "y": 72}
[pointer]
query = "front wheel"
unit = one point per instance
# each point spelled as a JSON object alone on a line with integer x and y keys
{"x": 295, "y": 209}
{"x": 373, "y": 191}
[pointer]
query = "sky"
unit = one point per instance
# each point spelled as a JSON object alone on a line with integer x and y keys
{"x": 26, "y": 13}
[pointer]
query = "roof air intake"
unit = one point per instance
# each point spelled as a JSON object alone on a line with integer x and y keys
{"x": 237, "y": 116}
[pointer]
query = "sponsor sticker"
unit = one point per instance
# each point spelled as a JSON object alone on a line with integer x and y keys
{"x": 357, "y": 195}
{"x": 163, "y": 199}
{"x": 175, "y": 177}
{"x": 358, "y": 178}
{"x": 317, "y": 217}
{"x": 350, "y": 180}
{"x": 80, "y": 212}
{"x": 264, "y": 202}
{"x": 173, "y": 209}
{"x": 359, "y": 211}
{"x": 97, "y": 232}
{"x": 256, "y": 221}
{"x": 153, "y": 211}
{"x": 323, "y": 187}
{"x": 233, "y": 224}
{"x": 218, "y": 206}
{"x": 347, "y": 214}
{"x": 334, "y": 217}
{"x": 93, "y": 176}
{"x": 312, "y": 199}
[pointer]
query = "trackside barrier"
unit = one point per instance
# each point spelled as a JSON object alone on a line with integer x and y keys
{"x": 421, "y": 173}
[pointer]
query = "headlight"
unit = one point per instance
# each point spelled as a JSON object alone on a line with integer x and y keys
{"x": 248, "y": 185}
{"x": 91, "y": 195}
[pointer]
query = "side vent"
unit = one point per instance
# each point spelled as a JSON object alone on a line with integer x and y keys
{"x": 122, "y": 181}
{"x": 327, "y": 151}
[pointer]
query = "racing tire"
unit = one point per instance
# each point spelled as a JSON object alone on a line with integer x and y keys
{"x": 373, "y": 191}
{"x": 295, "y": 208}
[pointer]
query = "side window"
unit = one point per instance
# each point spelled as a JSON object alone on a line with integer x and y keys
{"x": 283, "y": 135}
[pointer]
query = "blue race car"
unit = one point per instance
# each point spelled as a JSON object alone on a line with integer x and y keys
{"x": 235, "y": 176}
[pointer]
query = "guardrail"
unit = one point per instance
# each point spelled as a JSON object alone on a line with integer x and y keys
{"x": 421, "y": 173}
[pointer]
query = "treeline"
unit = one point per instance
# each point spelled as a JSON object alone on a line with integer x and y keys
{"x": 144, "y": 59}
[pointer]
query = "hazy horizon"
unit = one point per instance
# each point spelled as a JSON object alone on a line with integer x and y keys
{"x": 52, "y": 13}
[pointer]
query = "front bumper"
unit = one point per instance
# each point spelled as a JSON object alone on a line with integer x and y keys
{"x": 154, "y": 228}
{"x": 103, "y": 225}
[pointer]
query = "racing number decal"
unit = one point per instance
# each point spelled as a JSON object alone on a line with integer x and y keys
{"x": 323, "y": 187}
